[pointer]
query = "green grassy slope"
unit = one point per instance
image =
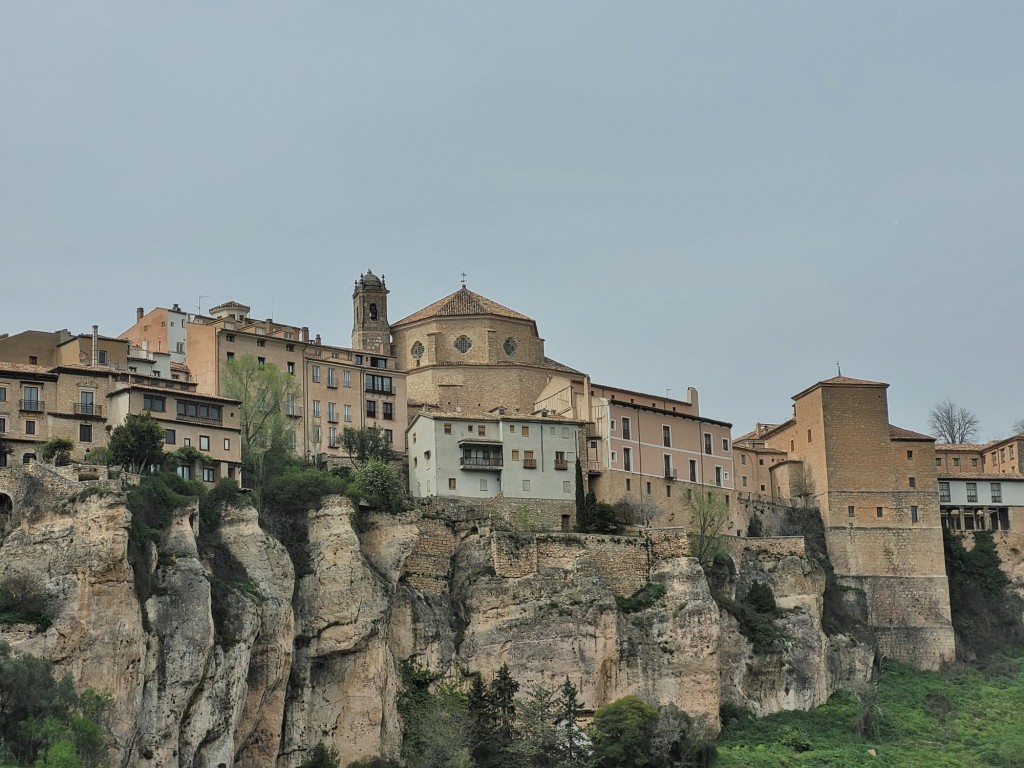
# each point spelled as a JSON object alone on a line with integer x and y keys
{"x": 925, "y": 719}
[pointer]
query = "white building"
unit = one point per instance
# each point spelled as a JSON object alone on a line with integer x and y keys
{"x": 528, "y": 457}
{"x": 990, "y": 502}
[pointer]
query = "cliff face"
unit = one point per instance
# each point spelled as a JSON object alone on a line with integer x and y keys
{"x": 252, "y": 668}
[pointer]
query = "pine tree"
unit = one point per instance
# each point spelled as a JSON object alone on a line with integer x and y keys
{"x": 572, "y": 741}
{"x": 581, "y": 499}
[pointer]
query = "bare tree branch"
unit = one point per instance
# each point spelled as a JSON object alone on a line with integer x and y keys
{"x": 953, "y": 424}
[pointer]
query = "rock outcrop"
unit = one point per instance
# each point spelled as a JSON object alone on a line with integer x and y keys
{"x": 231, "y": 661}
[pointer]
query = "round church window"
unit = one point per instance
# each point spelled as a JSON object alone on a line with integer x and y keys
{"x": 417, "y": 350}
{"x": 463, "y": 344}
{"x": 509, "y": 346}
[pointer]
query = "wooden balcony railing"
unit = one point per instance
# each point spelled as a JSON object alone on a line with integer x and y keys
{"x": 529, "y": 463}
{"x": 561, "y": 464}
{"x": 480, "y": 462}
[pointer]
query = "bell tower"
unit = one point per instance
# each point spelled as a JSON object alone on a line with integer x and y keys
{"x": 370, "y": 330}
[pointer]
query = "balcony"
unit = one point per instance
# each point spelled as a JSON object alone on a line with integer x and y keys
{"x": 529, "y": 463}
{"x": 332, "y": 382}
{"x": 88, "y": 409}
{"x": 203, "y": 420}
{"x": 478, "y": 440}
{"x": 594, "y": 468}
{"x": 380, "y": 390}
{"x": 332, "y": 418}
{"x": 671, "y": 474}
{"x": 561, "y": 464}
{"x": 31, "y": 406}
{"x": 481, "y": 462}
{"x": 294, "y": 410}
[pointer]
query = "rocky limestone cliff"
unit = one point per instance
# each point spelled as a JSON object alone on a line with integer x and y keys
{"x": 231, "y": 661}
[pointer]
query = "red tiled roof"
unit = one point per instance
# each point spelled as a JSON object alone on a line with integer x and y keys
{"x": 22, "y": 368}
{"x": 462, "y": 302}
{"x": 898, "y": 433}
{"x": 840, "y": 380}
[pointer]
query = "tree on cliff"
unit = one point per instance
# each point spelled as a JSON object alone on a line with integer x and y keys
{"x": 265, "y": 393}
{"x": 138, "y": 443}
{"x": 621, "y": 733}
{"x": 953, "y": 424}
{"x": 709, "y": 514}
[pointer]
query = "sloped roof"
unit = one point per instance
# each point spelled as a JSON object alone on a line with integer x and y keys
{"x": 898, "y": 433}
{"x": 841, "y": 380}
{"x": 462, "y": 302}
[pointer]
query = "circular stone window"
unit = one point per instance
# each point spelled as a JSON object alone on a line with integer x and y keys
{"x": 509, "y": 346}
{"x": 417, "y": 350}
{"x": 463, "y": 344}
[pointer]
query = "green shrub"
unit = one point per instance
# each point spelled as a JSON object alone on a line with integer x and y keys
{"x": 643, "y": 598}
{"x": 761, "y": 598}
{"x": 23, "y": 600}
{"x": 755, "y": 528}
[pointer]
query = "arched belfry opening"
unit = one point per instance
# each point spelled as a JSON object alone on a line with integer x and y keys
{"x": 370, "y": 330}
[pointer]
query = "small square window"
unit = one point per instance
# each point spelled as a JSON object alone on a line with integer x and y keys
{"x": 451, "y": 483}
{"x": 483, "y": 483}
{"x": 956, "y": 461}
{"x": 169, "y": 436}
{"x": 878, "y": 511}
{"x": 910, "y": 455}
{"x": 526, "y": 485}
{"x": 227, "y": 444}
{"x": 515, "y": 454}
{"x": 526, "y": 431}
{"x": 204, "y": 442}
{"x": 566, "y": 486}
{"x": 30, "y": 427}
{"x": 851, "y": 511}
{"x": 85, "y": 433}
{"x": 913, "y": 482}
{"x": 209, "y": 474}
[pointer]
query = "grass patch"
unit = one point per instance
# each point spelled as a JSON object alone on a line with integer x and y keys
{"x": 927, "y": 720}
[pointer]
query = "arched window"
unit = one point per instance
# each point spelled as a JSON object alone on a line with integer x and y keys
{"x": 373, "y": 311}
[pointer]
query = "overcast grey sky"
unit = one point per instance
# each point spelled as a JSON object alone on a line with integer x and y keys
{"x": 731, "y": 196}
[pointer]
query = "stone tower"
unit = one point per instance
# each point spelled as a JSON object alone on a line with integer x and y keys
{"x": 370, "y": 330}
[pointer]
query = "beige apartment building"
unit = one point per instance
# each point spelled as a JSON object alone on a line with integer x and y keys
{"x": 336, "y": 387}
{"x": 876, "y": 487}
{"x": 656, "y": 452}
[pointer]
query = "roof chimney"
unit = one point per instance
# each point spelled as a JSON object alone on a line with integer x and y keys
{"x": 304, "y": 334}
{"x": 139, "y": 312}
{"x": 95, "y": 345}
{"x": 318, "y": 339}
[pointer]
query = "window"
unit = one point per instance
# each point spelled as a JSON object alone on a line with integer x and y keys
{"x": 170, "y": 436}
{"x": 526, "y": 431}
{"x": 378, "y": 362}
{"x": 668, "y": 466}
{"x": 648, "y": 489}
{"x": 725, "y": 444}
{"x": 204, "y": 442}
{"x": 373, "y": 311}
{"x": 718, "y": 476}
{"x": 515, "y": 454}
{"x": 914, "y": 515}
{"x": 102, "y": 357}
{"x": 358, "y": 359}
{"x": 316, "y": 409}
{"x": 566, "y": 486}
{"x": 227, "y": 444}
{"x": 743, "y": 481}
{"x": 526, "y": 485}
{"x": 512, "y": 428}
{"x": 375, "y": 383}
{"x": 565, "y": 433}
{"x": 332, "y": 378}
{"x": 693, "y": 470}
{"x": 260, "y": 342}
{"x": 809, "y": 438}
{"x": 332, "y": 411}
{"x": 629, "y": 484}
{"x": 938, "y": 461}
{"x": 346, "y": 412}
{"x": 417, "y": 350}
{"x": 209, "y": 475}
{"x": 346, "y": 378}
{"x": 1002, "y": 455}
{"x": 972, "y": 492}
{"x": 707, "y": 442}
{"x": 261, "y": 362}
{"x": 187, "y": 441}
{"x": 743, "y": 458}
{"x": 760, "y": 462}
{"x": 463, "y": 344}
{"x": 314, "y": 373}
{"x": 85, "y": 433}
{"x": 913, "y": 482}
{"x": 1011, "y": 451}
{"x": 3, "y": 394}
{"x": 627, "y": 459}
{"x": 878, "y": 511}
{"x": 291, "y": 368}
{"x": 626, "y": 429}
{"x": 231, "y": 355}
{"x": 371, "y": 409}
{"x": 851, "y": 511}
{"x": 483, "y": 483}
{"x": 611, "y": 424}
{"x": 289, "y": 347}
{"x": 910, "y": 455}
{"x": 615, "y": 456}
{"x": 389, "y": 436}
{"x": 956, "y": 461}
{"x": 447, "y": 429}
{"x": 154, "y": 403}
{"x": 943, "y": 490}
{"x": 3, "y": 427}
{"x": 332, "y": 437}
{"x": 666, "y": 436}
{"x": 481, "y": 430}
{"x": 33, "y": 360}
{"x": 997, "y": 492}
{"x": 185, "y": 472}
{"x": 229, "y": 337}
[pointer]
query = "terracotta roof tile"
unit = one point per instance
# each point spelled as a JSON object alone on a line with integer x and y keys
{"x": 898, "y": 433}
{"x": 980, "y": 476}
{"x": 462, "y": 302}
{"x": 23, "y": 368}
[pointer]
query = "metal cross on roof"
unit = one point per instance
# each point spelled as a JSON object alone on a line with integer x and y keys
{"x": 463, "y": 279}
